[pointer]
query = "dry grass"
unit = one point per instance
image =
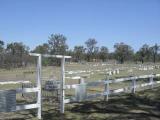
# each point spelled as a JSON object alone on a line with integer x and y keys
{"x": 142, "y": 105}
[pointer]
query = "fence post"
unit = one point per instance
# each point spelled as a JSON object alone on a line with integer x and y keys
{"x": 62, "y": 85}
{"x": 133, "y": 85}
{"x": 106, "y": 89}
{"x": 151, "y": 82}
{"x": 39, "y": 102}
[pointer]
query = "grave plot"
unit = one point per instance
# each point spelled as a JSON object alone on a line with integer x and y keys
{"x": 99, "y": 89}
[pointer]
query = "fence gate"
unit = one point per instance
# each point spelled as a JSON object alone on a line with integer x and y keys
{"x": 8, "y": 97}
{"x": 61, "y": 83}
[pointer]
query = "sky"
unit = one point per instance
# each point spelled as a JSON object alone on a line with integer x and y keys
{"x": 134, "y": 22}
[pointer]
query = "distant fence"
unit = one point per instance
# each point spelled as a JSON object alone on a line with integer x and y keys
{"x": 81, "y": 89}
{"x": 14, "y": 82}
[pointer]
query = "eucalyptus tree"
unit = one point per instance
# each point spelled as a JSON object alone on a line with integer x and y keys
{"x": 123, "y": 52}
{"x": 42, "y": 49}
{"x": 144, "y": 53}
{"x": 1, "y": 53}
{"x": 1, "y": 46}
{"x": 103, "y": 54}
{"x": 91, "y": 48}
{"x": 79, "y": 53}
{"x": 16, "y": 54}
{"x": 57, "y": 44}
{"x": 154, "y": 50}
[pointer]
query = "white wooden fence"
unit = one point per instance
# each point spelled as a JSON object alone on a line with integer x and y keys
{"x": 36, "y": 89}
{"x": 62, "y": 81}
{"x": 8, "y": 97}
{"x": 81, "y": 91}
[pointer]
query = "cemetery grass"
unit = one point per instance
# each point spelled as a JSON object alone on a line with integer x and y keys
{"x": 143, "y": 105}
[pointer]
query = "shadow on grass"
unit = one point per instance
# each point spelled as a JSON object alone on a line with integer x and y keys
{"x": 126, "y": 107}
{"x": 144, "y": 105}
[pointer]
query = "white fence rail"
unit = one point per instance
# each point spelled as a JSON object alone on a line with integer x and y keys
{"x": 38, "y": 88}
{"x": 13, "y": 82}
{"x": 81, "y": 91}
{"x": 12, "y": 98}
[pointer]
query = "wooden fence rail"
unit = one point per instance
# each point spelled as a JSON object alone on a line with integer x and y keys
{"x": 81, "y": 89}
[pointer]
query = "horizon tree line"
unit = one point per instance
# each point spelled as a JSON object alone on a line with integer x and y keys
{"x": 15, "y": 54}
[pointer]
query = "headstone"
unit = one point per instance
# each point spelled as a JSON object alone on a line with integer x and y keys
{"x": 7, "y": 100}
{"x": 110, "y": 72}
{"x": 114, "y": 72}
{"x": 117, "y": 71}
{"x": 52, "y": 85}
{"x": 80, "y": 92}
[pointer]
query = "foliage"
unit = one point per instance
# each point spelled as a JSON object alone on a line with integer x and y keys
{"x": 16, "y": 54}
{"x": 123, "y": 52}
{"x": 92, "y": 49}
{"x": 42, "y": 49}
{"x": 144, "y": 53}
{"x": 1, "y": 45}
{"x": 1, "y": 53}
{"x": 79, "y": 53}
{"x": 57, "y": 44}
{"x": 154, "y": 51}
{"x": 103, "y": 54}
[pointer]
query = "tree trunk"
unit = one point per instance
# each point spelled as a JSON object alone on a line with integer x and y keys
{"x": 142, "y": 61}
{"x": 154, "y": 58}
{"x": 122, "y": 60}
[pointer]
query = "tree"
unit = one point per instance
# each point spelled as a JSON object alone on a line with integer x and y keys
{"x": 111, "y": 55}
{"x": 137, "y": 57}
{"x": 1, "y": 46}
{"x": 16, "y": 54}
{"x": 1, "y": 53}
{"x": 79, "y": 52}
{"x": 91, "y": 48}
{"x": 96, "y": 54}
{"x": 154, "y": 51}
{"x": 123, "y": 52}
{"x": 42, "y": 49}
{"x": 70, "y": 52}
{"x": 57, "y": 44}
{"x": 144, "y": 53}
{"x": 103, "y": 54}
